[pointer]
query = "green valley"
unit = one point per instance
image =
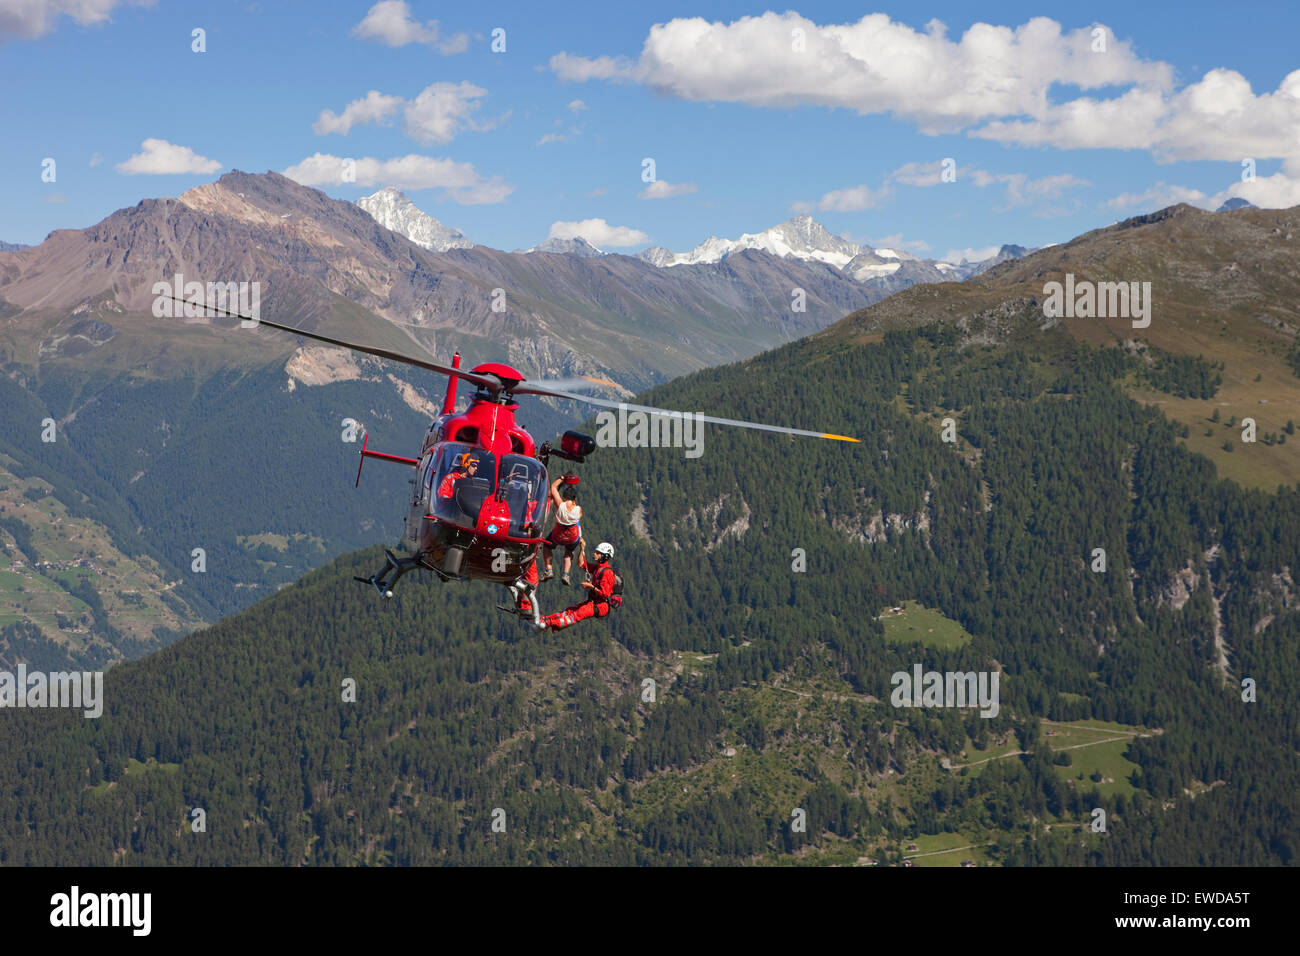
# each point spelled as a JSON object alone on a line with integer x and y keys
{"x": 768, "y": 734}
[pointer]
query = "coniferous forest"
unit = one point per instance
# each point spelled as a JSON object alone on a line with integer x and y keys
{"x": 1107, "y": 573}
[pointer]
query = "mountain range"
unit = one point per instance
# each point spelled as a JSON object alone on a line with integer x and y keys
{"x": 800, "y": 238}
{"x": 328, "y": 264}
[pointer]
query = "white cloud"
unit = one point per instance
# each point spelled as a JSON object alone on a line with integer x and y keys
{"x": 1279, "y": 191}
{"x": 876, "y": 65}
{"x": 598, "y": 191}
{"x": 996, "y": 76}
{"x": 374, "y": 108}
{"x": 598, "y": 232}
{"x": 662, "y": 189}
{"x": 29, "y": 19}
{"x": 851, "y": 199}
{"x": 577, "y": 105}
{"x": 579, "y": 68}
{"x": 436, "y": 115}
{"x": 441, "y": 110}
{"x": 159, "y": 157}
{"x": 896, "y": 241}
{"x": 918, "y": 174}
{"x": 1022, "y": 191}
{"x": 460, "y": 182}
{"x": 955, "y": 256}
{"x": 96, "y": 159}
{"x": 1217, "y": 118}
{"x": 1157, "y": 197}
{"x": 390, "y": 22}
{"x": 551, "y": 138}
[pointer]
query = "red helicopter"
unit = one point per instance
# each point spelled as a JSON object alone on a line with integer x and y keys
{"x": 480, "y": 504}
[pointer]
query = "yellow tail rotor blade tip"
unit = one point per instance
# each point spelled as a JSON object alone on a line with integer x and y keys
{"x": 840, "y": 437}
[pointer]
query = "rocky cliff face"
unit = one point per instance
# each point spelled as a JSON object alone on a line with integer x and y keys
{"x": 321, "y": 262}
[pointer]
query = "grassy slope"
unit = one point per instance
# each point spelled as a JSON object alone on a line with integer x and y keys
{"x": 130, "y": 588}
{"x": 1225, "y": 286}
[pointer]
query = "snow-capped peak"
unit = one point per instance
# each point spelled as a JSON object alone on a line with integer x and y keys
{"x": 801, "y": 237}
{"x": 577, "y": 246}
{"x": 805, "y": 238}
{"x": 656, "y": 256}
{"x": 393, "y": 210}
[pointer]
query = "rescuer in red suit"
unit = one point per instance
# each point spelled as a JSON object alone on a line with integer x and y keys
{"x": 465, "y": 468}
{"x": 603, "y": 589}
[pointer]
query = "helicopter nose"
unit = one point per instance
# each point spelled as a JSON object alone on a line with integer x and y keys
{"x": 493, "y": 518}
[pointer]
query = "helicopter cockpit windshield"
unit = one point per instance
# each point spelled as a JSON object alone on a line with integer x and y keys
{"x": 461, "y": 479}
{"x": 523, "y": 488}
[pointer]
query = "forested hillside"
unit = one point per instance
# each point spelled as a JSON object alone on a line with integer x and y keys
{"x": 249, "y": 466}
{"x": 1163, "y": 689}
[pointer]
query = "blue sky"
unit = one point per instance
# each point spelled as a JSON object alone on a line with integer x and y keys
{"x": 745, "y": 130}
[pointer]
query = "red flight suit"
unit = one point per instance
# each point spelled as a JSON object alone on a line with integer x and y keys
{"x": 596, "y": 606}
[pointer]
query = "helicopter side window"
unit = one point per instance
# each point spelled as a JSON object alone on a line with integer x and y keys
{"x": 523, "y": 488}
{"x": 463, "y": 478}
{"x": 427, "y": 482}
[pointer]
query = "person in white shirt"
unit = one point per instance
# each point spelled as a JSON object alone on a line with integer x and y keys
{"x": 567, "y": 531}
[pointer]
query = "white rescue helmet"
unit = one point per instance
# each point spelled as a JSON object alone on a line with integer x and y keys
{"x": 606, "y": 549}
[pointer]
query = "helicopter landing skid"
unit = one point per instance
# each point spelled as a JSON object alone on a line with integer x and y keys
{"x": 532, "y": 617}
{"x": 380, "y": 580}
{"x": 522, "y": 589}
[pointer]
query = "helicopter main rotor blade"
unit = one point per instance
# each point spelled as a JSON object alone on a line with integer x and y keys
{"x": 577, "y": 381}
{"x": 486, "y": 381}
{"x": 735, "y": 423}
